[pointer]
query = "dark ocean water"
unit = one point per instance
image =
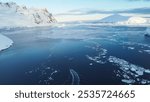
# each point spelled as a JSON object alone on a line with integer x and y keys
{"x": 86, "y": 55}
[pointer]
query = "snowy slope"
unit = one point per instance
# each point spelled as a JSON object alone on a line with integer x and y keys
{"x": 114, "y": 18}
{"x": 12, "y": 15}
{"x": 124, "y": 20}
{"x": 135, "y": 21}
{"x": 5, "y": 42}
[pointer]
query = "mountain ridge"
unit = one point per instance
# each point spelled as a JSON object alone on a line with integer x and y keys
{"x": 15, "y": 15}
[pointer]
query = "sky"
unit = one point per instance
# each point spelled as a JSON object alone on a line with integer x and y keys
{"x": 79, "y": 10}
{"x": 61, "y": 6}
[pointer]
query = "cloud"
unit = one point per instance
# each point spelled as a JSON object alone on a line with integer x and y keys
{"x": 85, "y": 12}
{"x": 145, "y": 10}
{"x": 137, "y": 11}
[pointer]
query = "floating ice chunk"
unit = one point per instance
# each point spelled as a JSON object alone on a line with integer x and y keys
{"x": 50, "y": 78}
{"x": 133, "y": 69}
{"x": 131, "y": 48}
{"x": 147, "y": 71}
{"x": 54, "y": 72}
{"x": 129, "y": 81}
{"x": 143, "y": 82}
{"x": 101, "y": 54}
{"x": 148, "y": 51}
{"x": 44, "y": 75}
{"x": 91, "y": 64}
{"x": 140, "y": 73}
{"x": 126, "y": 76}
{"x": 137, "y": 44}
{"x": 126, "y": 68}
{"x": 140, "y": 51}
{"x": 142, "y": 47}
{"x": 48, "y": 68}
{"x": 96, "y": 59}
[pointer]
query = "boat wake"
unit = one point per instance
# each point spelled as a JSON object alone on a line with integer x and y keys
{"x": 75, "y": 77}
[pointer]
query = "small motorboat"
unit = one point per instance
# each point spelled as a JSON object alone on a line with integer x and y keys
{"x": 147, "y": 35}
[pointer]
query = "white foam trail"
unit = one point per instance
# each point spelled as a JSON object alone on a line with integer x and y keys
{"x": 75, "y": 77}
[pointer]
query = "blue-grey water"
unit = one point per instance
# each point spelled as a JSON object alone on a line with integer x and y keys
{"x": 80, "y": 54}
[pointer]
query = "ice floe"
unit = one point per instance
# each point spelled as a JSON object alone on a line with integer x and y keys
{"x": 100, "y": 56}
{"x": 141, "y": 47}
{"x": 45, "y": 75}
{"x": 128, "y": 81}
{"x": 131, "y": 48}
{"x": 130, "y": 73}
{"x": 5, "y": 42}
{"x": 147, "y": 51}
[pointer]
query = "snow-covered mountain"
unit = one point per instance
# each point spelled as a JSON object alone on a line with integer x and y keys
{"x": 114, "y": 18}
{"x": 124, "y": 20}
{"x": 13, "y": 15}
{"x": 135, "y": 20}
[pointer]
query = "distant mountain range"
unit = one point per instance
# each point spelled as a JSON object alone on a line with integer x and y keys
{"x": 124, "y": 20}
{"x": 14, "y": 15}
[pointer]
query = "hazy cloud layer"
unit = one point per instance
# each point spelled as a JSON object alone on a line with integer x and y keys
{"x": 137, "y": 10}
{"x": 85, "y": 12}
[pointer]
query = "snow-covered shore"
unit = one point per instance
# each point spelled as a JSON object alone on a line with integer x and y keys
{"x": 5, "y": 42}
